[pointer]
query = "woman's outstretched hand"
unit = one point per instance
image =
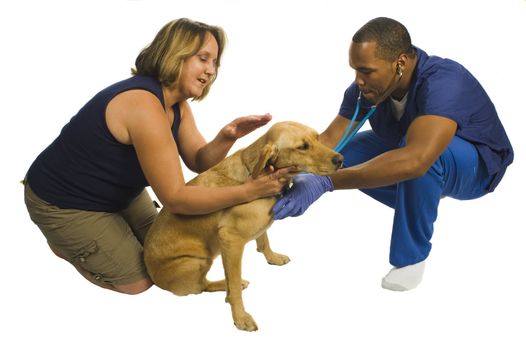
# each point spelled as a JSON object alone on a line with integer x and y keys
{"x": 242, "y": 126}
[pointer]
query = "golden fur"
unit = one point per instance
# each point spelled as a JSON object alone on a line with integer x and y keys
{"x": 179, "y": 249}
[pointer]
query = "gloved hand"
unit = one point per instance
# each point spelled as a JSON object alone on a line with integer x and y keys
{"x": 306, "y": 189}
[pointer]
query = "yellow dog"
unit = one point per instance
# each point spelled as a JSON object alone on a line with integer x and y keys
{"x": 179, "y": 249}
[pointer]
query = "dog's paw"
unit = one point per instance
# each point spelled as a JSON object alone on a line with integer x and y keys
{"x": 244, "y": 284}
{"x": 277, "y": 259}
{"x": 245, "y": 322}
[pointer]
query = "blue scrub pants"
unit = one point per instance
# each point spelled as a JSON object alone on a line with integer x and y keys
{"x": 458, "y": 173}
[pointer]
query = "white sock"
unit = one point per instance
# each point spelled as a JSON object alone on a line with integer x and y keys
{"x": 404, "y": 278}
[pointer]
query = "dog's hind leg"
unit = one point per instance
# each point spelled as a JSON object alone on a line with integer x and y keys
{"x": 185, "y": 275}
{"x": 273, "y": 258}
{"x": 220, "y": 286}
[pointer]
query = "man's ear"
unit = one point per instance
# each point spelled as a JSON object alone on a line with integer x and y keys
{"x": 267, "y": 156}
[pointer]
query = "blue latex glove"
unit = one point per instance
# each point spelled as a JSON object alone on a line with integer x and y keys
{"x": 306, "y": 189}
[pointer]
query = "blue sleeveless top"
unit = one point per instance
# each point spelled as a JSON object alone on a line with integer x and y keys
{"x": 86, "y": 167}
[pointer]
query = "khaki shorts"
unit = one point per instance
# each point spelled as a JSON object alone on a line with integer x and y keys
{"x": 108, "y": 245}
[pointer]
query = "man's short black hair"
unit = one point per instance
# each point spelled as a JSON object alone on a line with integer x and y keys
{"x": 391, "y": 37}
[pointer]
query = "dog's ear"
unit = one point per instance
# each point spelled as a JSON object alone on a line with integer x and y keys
{"x": 267, "y": 156}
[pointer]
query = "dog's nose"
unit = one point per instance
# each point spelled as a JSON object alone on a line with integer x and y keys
{"x": 337, "y": 160}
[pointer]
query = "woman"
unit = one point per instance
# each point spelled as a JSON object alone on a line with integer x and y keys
{"x": 86, "y": 191}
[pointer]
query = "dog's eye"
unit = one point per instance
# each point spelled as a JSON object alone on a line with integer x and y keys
{"x": 304, "y": 147}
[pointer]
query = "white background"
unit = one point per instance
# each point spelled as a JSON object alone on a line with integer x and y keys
{"x": 288, "y": 58}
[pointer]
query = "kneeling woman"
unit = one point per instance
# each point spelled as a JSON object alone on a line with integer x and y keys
{"x": 86, "y": 191}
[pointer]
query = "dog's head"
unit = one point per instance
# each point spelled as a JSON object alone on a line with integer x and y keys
{"x": 294, "y": 144}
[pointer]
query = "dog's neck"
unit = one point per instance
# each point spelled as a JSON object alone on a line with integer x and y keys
{"x": 250, "y": 156}
{"x": 240, "y": 165}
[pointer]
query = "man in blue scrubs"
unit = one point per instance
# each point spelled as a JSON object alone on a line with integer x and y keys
{"x": 435, "y": 133}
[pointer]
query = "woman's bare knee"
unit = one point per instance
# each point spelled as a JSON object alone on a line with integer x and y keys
{"x": 134, "y": 288}
{"x": 57, "y": 252}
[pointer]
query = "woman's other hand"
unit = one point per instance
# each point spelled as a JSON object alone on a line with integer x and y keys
{"x": 270, "y": 182}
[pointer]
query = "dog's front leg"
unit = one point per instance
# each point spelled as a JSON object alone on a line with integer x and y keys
{"x": 272, "y": 257}
{"x": 231, "y": 254}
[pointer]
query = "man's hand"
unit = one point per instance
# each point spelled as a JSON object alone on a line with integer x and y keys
{"x": 306, "y": 189}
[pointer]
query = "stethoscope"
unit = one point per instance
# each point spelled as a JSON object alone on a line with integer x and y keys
{"x": 348, "y": 134}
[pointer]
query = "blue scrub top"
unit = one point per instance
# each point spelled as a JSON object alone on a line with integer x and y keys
{"x": 445, "y": 88}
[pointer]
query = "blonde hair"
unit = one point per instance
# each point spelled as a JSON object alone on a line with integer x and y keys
{"x": 178, "y": 40}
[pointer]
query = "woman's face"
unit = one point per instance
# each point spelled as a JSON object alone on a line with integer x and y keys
{"x": 199, "y": 69}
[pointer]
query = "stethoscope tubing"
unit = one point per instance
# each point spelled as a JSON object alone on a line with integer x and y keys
{"x": 348, "y": 134}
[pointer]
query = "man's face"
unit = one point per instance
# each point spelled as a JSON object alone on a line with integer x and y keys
{"x": 374, "y": 76}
